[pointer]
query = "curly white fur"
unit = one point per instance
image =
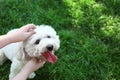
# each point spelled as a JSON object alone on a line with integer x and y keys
{"x": 21, "y": 52}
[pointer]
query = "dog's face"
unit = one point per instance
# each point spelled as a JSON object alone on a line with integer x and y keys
{"x": 43, "y": 43}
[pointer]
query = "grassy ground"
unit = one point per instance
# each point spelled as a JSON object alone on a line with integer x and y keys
{"x": 89, "y": 31}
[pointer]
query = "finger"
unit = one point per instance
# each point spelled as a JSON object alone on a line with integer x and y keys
{"x": 31, "y": 26}
{"x": 28, "y": 27}
{"x": 30, "y": 33}
{"x": 42, "y": 62}
{"x": 34, "y": 59}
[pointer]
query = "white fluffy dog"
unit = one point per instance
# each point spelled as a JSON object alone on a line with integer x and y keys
{"x": 42, "y": 45}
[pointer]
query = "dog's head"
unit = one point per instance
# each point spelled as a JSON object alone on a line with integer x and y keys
{"x": 43, "y": 43}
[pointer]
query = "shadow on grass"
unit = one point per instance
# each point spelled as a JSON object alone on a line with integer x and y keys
{"x": 84, "y": 53}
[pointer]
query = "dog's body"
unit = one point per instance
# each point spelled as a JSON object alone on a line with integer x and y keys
{"x": 41, "y": 45}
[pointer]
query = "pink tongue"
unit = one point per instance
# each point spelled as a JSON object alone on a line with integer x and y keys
{"x": 50, "y": 57}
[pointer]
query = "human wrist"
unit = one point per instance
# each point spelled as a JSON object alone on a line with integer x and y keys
{"x": 24, "y": 74}
{"x": 11, "y": 38}
{"x": 25, "y": 71}
{"x": 8, "y": 39}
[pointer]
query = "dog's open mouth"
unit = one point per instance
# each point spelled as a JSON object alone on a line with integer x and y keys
{"x": 50, "y": 57}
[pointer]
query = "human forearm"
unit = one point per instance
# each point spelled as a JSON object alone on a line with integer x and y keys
{"x": 21, "y": 76}
{"x": 18, "y": 35}
{"x": 5, "y": 40}
{"x": 30, "y": 67}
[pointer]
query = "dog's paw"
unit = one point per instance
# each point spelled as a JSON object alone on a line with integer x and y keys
{"x": 1, "y": 64}
{"x": 32, "y": 75}
{"x": 2, "y": 61}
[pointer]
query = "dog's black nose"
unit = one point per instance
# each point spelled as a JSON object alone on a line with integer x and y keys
{"x": 50, "y": 47}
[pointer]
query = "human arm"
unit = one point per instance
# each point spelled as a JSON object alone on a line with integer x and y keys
{"x": 31, "y": 66}
{"x": 20, "y": 35}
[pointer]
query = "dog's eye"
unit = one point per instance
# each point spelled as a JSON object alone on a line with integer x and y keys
{"x": 37, "y": 41}
{"x": 48, "y": 36}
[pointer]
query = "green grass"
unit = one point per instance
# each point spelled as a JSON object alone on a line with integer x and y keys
{"x": 89, "y": 32}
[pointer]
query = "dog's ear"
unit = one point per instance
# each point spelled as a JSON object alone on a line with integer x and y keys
{"x": 21, "y": 53}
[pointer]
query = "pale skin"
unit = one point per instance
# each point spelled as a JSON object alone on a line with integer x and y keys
{"x": 30, "y": 67}
{"x": 20, "y": 35}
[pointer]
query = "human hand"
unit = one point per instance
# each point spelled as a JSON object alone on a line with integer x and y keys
{"x": 23, "y": 33}
{"x": 33, "y": 65}
{"x": 30, "y": 67}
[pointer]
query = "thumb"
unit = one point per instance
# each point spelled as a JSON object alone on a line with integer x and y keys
{"x": 41, "y": 63}
{"x": 31, "y": 33}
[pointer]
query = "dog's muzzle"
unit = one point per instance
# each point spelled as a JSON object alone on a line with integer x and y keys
{"x": 49, "y": 47}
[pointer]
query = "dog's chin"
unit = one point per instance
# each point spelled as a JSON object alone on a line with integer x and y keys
{"x": 49, "y": 56}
